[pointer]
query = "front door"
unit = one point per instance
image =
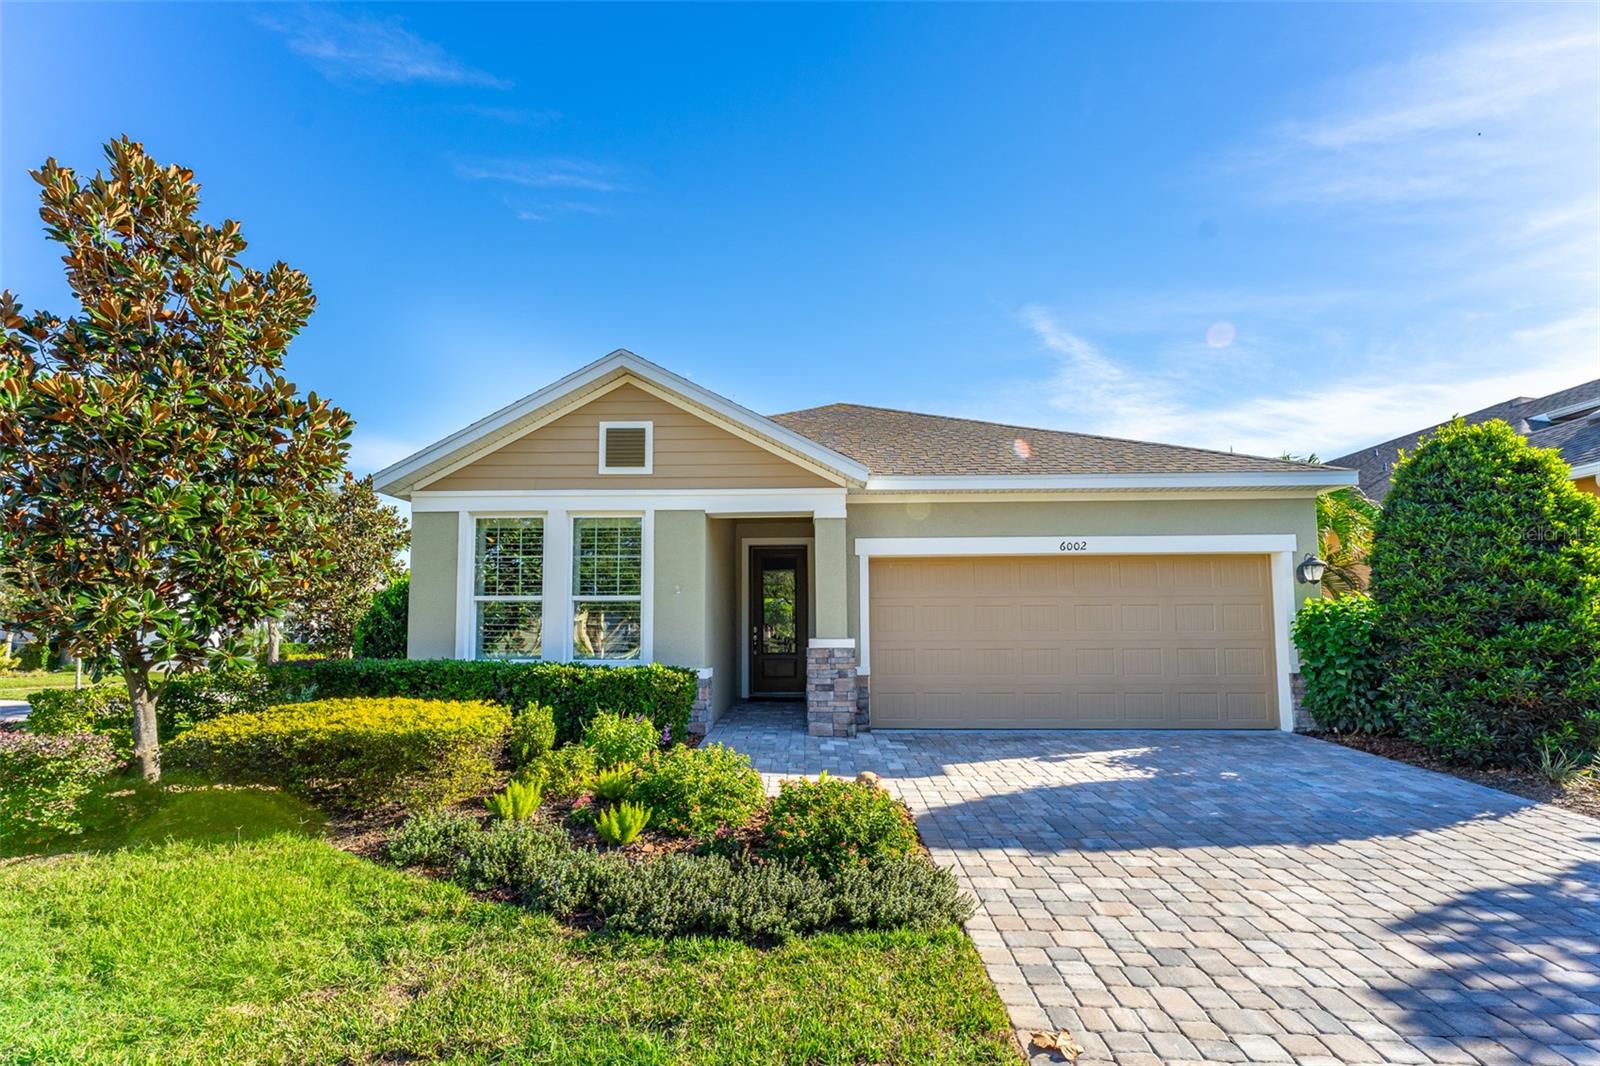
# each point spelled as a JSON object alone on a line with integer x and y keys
{"x": 777, "y": 621}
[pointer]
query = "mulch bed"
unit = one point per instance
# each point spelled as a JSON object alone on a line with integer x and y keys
{"x": 1581, "y": 796}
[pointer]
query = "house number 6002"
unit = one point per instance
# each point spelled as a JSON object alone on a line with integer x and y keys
{"x": 1074, "y": 545}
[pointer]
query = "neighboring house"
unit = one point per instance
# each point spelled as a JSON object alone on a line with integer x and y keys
{"x": 892, "y": 569}
{"x": 1568, "y": 421}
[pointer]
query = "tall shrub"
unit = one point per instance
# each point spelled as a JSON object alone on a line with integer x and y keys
{"x": 1339, "y": 665}
{"x": 381, "y": 632}
{"x": 1486, "y": 575}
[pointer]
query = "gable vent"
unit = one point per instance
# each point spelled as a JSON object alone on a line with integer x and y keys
{"x": 625, "y": 448}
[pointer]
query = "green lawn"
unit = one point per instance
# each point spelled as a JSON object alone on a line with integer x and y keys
{"x": 17, "y": 686}
{"x": 219, "y": 926}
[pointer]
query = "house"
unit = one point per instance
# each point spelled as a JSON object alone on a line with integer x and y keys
{"x": 1568, "y": 421}
{"x": 892, "y": 569}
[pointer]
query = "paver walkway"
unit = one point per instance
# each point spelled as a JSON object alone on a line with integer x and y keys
{"x": 1261, "y": 897}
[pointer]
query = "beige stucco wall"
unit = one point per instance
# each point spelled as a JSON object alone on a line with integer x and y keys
{"x": 689, "y": 453}
{"x": 722, "y": 613}
{"x": 1590, "y": 484}
{"x": 1089, "y": 517}
{"x": 680, "y": 588}
{"x": 431, "y": 620}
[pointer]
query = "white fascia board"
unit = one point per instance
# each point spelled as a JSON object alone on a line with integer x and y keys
{"x": 818, "y": 503}
{"x": 1069, "y": 544}
{"x": 391, "y": 480}
{"x": 1065, "y": 482}
{"x": 1586, "y": 470}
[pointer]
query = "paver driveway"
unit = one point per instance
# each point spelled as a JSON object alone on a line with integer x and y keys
{"x": 1176, "y": 897}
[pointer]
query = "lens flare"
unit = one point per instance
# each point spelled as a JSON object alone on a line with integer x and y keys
{"x": 1220, "y": 335}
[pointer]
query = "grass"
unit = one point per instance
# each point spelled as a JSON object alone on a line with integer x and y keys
{"x": 17, "y": 686}
{"x": 219, "y": 926}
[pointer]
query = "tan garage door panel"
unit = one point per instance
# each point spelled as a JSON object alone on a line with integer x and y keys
{"x": 1166, "y": 642}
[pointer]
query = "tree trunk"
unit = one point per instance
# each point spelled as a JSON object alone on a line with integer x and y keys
{"x": 274, "y": 638}
{"x": 146, "y": 745}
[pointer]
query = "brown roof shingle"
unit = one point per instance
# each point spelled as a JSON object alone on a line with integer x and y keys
{"x": 902, "y": 443}
{"x": 1577, "y": 438}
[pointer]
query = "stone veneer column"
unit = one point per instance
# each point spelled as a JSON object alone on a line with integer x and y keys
{"x": 831, "y": 687}
{"x": 700, "y": 713}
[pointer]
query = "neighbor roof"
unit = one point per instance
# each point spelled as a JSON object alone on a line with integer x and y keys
{"x": 1568, "y": 420}
{"x": 904, "y": 444}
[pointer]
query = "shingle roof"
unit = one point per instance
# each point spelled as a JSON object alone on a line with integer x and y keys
{"x": 902, "y": 443}
{"x": 1578, "y": 437}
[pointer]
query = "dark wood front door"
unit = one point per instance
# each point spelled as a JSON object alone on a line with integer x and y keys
{"x": 777, "y": 621}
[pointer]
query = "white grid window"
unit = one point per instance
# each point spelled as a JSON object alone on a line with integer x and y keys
{"x": 508, "y": 588}
{"x": 607, "y": 588}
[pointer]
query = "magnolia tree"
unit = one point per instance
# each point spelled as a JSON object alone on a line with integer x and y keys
{"x": 158, "y": 474}
{"x": 364, "y": 540}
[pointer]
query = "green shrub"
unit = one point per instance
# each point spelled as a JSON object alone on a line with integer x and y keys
{"x": 517, "y": 802}
{"x": 533, "y": 732}
{"x": 831, "y": 824}
{"x": 616, "y": 738}
{"x": 567, "y": 772}
{"x": 695, "y": 791}
{"x": 574, "y": 692}
{"x": 353, "y": 753}
{"x": 681, "y": 895}
{"x": 508, "y": 854}
{"x": 1486, "y": 575}
{"x": 34, "y": 656}
{"x": 43, "y": 779}
{"x": 616, "y": 784}
{"x": 184, "y": 701}
{"x": 432, "y": 837}
{"x": 380, "y": 633}
{"x": 899, "y": 893}
{"x": 621, "y": 824}
{"x": 1339, "y": 664}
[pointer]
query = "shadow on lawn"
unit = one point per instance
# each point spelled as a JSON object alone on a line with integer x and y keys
{"x": 124, "y": 812}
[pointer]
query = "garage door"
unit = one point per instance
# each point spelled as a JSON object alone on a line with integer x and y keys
{"x": 1104, "y": 642}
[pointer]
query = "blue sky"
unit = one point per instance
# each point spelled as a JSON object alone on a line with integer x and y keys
{"x": 1267, "y": 228}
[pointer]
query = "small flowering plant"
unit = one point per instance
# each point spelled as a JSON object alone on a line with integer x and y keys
{"x": 831, "y": 825}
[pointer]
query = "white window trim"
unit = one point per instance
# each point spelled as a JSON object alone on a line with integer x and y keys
{"x": 745, "y": 544}
{"x": 647, "y": 576}
{"x": 1278, "y": 547}
{"x": 649, "y": 448}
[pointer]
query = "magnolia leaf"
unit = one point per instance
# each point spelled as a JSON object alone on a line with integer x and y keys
{"x": 1061, "y": 1041}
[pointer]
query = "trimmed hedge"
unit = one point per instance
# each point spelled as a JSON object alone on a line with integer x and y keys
{"x": 1486, "y": 573}
{"x": 574, "y": 692}
{"x": 184, "y": 702}
{"x": 43, "y": 778}
{"x": 1341, "y": 670}
{"x": 354, "y": 752}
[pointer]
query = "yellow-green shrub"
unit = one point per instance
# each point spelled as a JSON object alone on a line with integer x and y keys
{"x": 354, "y": 752}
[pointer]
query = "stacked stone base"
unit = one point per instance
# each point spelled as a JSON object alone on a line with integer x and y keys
{"x": 832, "y": 703}
{"x": 700, "y": 713}
{"x": 1303, "y": 722}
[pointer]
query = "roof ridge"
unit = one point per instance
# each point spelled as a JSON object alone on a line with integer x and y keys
{"x": 1063, "y": 432}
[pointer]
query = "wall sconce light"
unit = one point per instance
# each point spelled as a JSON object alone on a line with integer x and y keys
{"x": 1311, "y": 569}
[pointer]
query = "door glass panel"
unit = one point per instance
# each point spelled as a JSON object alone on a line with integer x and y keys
{"x": 777, "y": 611}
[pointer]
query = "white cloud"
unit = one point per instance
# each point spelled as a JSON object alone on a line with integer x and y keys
{"x": 543, "y": 174}
{"x": 1458, "y": 194}
{"x": 360, "y": 48}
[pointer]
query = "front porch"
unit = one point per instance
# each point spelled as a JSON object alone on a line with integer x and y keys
{"x": 772, "y": 624}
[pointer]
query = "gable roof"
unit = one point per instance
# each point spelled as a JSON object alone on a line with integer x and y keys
{"x": 524, "y": 415}
{"x": 902, "y": 444}
{"x": 1568, "y": 420}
